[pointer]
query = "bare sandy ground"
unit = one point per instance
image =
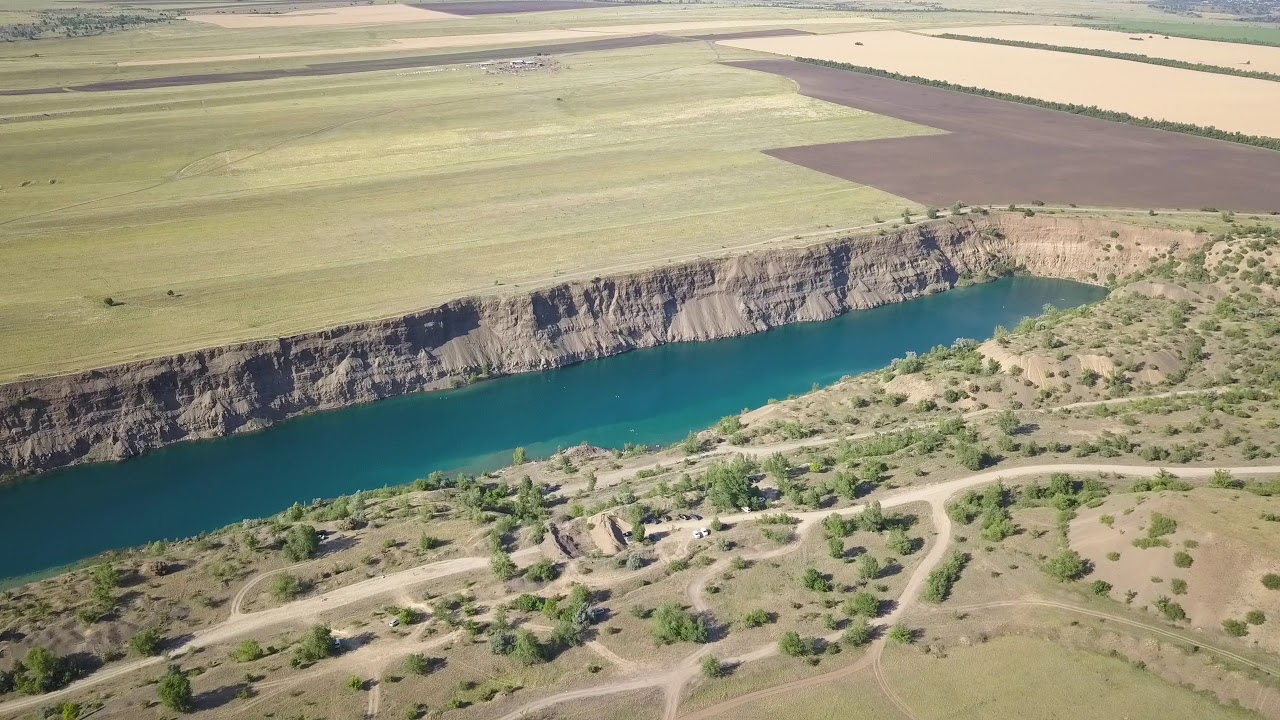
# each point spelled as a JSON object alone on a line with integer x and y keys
{"x": 355, "y": 15}
{"x": 1232, "y": 103}
{"x": 483, "y": 39}
{"x": 1206, "y": 52}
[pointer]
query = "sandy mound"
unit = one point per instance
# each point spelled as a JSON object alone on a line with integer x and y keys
{"x": 354, "y": 15}
{"x": 915, "y": 387}
{"x": 606, "y": 533}
{"x": 1154, "y": 367}
{"x": 762, "y": 415}
{"x": 1035, "y": 368}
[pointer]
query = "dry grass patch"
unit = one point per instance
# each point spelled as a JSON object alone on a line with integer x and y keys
{"x": 1230, "y": 545}
{"x": 1029, "y": 677}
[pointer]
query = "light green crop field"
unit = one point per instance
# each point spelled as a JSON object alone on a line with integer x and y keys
{"x": 281, "y": 206}
{"x": 1034, "y": 679}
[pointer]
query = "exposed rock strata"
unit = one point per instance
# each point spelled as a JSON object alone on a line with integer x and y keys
{"x": 118, "y": 412}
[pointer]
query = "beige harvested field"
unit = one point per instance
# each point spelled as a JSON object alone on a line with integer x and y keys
{"x": 504, "y": 39}
{"x": 1232, "y": 103}
{"x": 356, "y": 15}
{"x": 1206, "y": 52}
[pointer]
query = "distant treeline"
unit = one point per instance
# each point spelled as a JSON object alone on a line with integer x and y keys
{"x": 1114, "y": 55}
{"x": 77, "y": 23}
{"x": 1094, "y": 111}
{"x": 1188, "y": 34}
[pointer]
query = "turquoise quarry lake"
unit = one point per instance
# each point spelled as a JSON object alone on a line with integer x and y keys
{"x": 653, "y": 396}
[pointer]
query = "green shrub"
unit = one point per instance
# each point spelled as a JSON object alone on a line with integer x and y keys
{"x": 755, "y": 618}
{"x": 1066, "y": 565}
{"x": 286, "y": 586}
{"x": 248, "y": 651}
{"x": 301, "y": 543}
{"x": 1170, "y": 609}
{"x": 1255, "y": 617}
{"x": 857, "y": 634}
{"x": 1182, "y": 560}
{"x": 712, "y": 668}
{"x": 542, "y": 571}
{"x": 146, "y": 642}
{"x": 673, "y": 624}
{"x": 938, "y": 585}
{"x": 174, "y": 689}
{"x": 793, "y": 645}
{"x": 1235, "y": 628}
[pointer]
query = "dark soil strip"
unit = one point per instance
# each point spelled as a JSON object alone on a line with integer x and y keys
{"x": 750, "y": 34}
{"x": 502, "y": 7}
{"x": 360, "y": 66}
{"x": 1001, "y": 152}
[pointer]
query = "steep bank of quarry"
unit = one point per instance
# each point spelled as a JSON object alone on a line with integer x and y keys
{"x": 122, "y": 411}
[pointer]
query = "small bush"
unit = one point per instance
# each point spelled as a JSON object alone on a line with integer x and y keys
{"x": 146, "y": 643}
{"x": 901, "y": 634}
{"x": 793, "y": 645}
{"x": 857, "y": 634}
{"x": 712, "y": 668}
{"x": 1271, "y": 581}
{"x": 1235, "y": 628}
{"x": 1255, "y": 617}
{"x": 1182, "y": 560}
{"x": 248, "y": 651}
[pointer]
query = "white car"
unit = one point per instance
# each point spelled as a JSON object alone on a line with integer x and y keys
{"x": 697, "y": 534}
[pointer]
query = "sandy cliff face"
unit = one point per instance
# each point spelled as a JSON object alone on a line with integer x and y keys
{"x": 118, "y": 412}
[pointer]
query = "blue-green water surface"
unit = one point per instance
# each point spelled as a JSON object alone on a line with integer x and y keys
{"x": 653, "y": 396}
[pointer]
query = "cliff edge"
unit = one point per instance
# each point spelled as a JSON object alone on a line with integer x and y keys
{"x": 118, "y": 412}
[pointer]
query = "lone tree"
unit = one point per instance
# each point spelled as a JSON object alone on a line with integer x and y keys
{"x": 175, "y": 690}
{"x": 301, "y": 543}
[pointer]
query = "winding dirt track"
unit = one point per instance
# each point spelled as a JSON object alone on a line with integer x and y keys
{"x": 614, "y": 477}
{"x": 674, "y": 679}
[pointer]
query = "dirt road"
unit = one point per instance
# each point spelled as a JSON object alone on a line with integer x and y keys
{"x": 309, "y": 609}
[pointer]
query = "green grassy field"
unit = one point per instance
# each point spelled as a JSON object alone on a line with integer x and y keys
{"x": 282, "y": 206}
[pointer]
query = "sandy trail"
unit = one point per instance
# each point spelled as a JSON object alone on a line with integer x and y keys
{"x": 237, "y": 603}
